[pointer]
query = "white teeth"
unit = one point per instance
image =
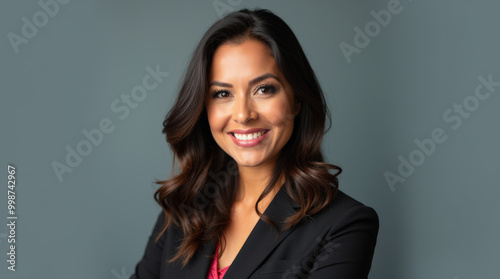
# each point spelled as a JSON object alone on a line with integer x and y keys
{"x": 248, "y": 136}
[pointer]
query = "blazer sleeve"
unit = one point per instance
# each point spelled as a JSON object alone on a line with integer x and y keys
{"x": 348, "y": 247}
{"x": 150, "y": 264}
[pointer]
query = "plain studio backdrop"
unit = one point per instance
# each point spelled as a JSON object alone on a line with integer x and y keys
{"x": 413, "y": 87}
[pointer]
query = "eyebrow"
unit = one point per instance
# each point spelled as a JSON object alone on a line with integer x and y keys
{"x": 253, "y": 81}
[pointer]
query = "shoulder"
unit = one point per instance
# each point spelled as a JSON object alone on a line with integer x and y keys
{"x": 346, "y": 213}
{"x": 345, "y": 203}
{"x": 343, "y": 238}
{"x": 338, "y": 241}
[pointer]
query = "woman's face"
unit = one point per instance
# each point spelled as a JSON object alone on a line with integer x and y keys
{"x": 250, "y": 107}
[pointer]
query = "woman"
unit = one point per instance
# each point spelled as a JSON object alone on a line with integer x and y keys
{"x": 253, "y": 197}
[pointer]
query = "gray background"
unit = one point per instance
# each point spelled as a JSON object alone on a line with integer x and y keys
{"x": 442, "y": 222}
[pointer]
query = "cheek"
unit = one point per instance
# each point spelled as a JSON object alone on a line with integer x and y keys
{"x": 280, "y": 114}
{"x": 216, "y": 118}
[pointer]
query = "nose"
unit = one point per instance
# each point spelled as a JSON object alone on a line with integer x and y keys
{"x": 244, "y": 110}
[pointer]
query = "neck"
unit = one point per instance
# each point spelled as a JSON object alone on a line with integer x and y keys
{"x": 252, "y": 182}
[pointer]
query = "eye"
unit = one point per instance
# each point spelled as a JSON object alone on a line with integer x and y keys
{"x": 266, "y": 89}
{"x": 220, "y": 94}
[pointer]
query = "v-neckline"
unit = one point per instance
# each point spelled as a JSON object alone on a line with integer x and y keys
{"x": 216, "y": 258}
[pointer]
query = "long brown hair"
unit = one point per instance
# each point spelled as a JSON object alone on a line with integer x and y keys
{"x": 198, "y": 197}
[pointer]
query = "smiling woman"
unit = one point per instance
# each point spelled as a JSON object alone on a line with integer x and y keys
{"x": 250, "y": 99}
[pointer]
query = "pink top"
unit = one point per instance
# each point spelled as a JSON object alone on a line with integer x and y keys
{"x": 213, "y": 273}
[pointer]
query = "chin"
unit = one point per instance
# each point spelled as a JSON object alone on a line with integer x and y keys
{"x": 249, "y": 163}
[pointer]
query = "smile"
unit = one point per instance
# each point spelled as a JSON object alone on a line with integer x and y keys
{"x": 249, "y": 138}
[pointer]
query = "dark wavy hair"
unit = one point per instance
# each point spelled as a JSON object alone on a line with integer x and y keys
{"x": 196, "y": 198}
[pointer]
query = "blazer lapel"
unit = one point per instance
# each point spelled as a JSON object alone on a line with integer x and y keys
{"x": 260, "y": 243}
{"x": 262, "y": 240}
{"x": 198, "y": 266}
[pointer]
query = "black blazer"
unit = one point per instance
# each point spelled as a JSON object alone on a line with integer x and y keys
{"x": 337, "y": 242}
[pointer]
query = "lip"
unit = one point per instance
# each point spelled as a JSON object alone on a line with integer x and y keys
{"x": 249, "y": 131}
{"x": 248, "y": 143}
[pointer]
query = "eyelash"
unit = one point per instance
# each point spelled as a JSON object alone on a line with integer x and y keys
{"x": 269, "y": 86}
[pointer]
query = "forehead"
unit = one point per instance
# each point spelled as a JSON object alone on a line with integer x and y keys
{"x": 242, "y": 60}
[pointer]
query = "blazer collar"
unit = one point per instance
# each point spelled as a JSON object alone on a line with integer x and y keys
{"x": 261, "y": 241}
